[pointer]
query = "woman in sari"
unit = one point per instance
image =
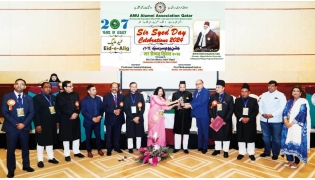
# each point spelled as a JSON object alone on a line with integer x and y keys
{"x": 156, "y": 125}
{"x": 295, "y": 138}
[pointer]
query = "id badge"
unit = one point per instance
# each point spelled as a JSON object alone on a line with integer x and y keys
{"x": 245, "y": 111}
{"x": 52, "y": 110}
{"x": 219, "y": 107}
{"x": 20, "y": 112}
{"x": 133, "y": 109}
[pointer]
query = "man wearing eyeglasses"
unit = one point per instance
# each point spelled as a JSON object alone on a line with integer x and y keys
{"x": 69, "y": 125}
{"x": 17, "y": 110}
{"x": 199, "y": 106}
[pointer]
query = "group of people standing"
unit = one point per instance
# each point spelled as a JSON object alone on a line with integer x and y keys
{"x": 285, "y": 125}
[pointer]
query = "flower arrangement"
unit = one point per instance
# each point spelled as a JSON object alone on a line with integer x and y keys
{"x": 153, "y": 155}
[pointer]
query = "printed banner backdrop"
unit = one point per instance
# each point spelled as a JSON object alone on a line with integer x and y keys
{"x": 310, "y": 96}
{"x": 162, "y": 36}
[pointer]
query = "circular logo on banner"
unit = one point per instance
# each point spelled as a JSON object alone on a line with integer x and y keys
{"x": 160, "y": 7}
{"x": 114, "y": 24}
{"x": 313, "y": 99}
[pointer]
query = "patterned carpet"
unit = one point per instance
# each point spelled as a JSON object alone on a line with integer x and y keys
{"x": 193, "y": 165}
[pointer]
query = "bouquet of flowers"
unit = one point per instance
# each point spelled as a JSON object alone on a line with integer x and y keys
{"x": 153, "y": 155}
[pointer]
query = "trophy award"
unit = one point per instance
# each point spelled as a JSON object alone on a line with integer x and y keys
{"x": 181, "y": 101}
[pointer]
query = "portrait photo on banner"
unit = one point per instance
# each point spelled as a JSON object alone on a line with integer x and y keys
{"x": 206, "y": 36}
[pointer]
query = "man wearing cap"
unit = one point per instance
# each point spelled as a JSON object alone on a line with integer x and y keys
{"x": 199, "y": 106}
{"x": 271, "y": 106}
{"x": 221, "y": 105}
{"x": 182, "y": 119}
{"x": 207, "y": 39}
{"x": 246, "y": 109}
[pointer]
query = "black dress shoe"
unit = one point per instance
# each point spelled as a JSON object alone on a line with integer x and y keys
{"x": 28, "y": 169}
{"x": 119, "y": 150}
{"x": 130, "y": 150}
{"x": 10, "y": 174}
{"x": 40, "y": 164}
{"x": 109, "y": 153}
{"x": 226, "y": 155}
{"x": 199, "y": 149}
{"x": 53, "y": 160}
{"x": 186, "y": 151}
{"x": 79, "y": 155}
{"x": 274, "y": 157}
{"x": 239, "y": 157}
{"x": 175, "y": 150}
{"x": 68, "y": 158}
{"x": 264, "y": 155}
{"x": 252, "y": 157}
{"x": 215, "y": 152}
{"x": 204, "y": 151}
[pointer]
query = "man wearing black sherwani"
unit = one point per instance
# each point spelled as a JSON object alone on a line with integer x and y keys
{"x": 246, "y": 109}
{"x": 221, "y": 105}
{"x": 182, "y": 119}
{"x": 134, "y": 108}
{"x": 69, "y": 121}
{"x": 45, "y": 121}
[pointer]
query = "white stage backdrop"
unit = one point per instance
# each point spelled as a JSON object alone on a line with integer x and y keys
{"x": 168, "y": 80}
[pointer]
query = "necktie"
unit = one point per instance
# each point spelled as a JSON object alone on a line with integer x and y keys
{"x": 19, "y": 99}
{"x": 115, "y": 99}
{"x": 220, "y": 98}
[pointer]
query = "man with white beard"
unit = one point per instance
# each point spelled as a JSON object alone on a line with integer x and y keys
{"x": 207, "y": 39}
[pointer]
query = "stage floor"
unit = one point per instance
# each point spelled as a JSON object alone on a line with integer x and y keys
{"x": 193, "y": 165}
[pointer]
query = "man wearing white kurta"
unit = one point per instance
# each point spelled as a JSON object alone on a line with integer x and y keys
{"x": 271, "y": 106}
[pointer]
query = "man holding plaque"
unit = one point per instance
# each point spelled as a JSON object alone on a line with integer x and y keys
{"x": 246, "y": 109}
{"x": 45, "y": 121}
{"x": 17, "y": 110}
{"x": 69, "y": 125}
{"x": 221, "y": 107}
{"x": 199, "y": 106}
{"x": 114, "y": 115}
{"x": 134, "y": 107}
{"x": 182, "y": 119}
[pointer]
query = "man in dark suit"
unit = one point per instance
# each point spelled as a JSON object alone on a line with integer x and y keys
{"x": 221, "y": 105}
{"x": 45, "y": 121}
{"x": 114, "y": 118}
{"x": 18, "y": 110}
{"x": 92, "y": 111}
{"x": 182, "y": 118}
{"x": 134, "y": 107}
{"x": 199, "y": 106}
{"x": 69, "y": 121}
{"x": 246, "y": 109}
